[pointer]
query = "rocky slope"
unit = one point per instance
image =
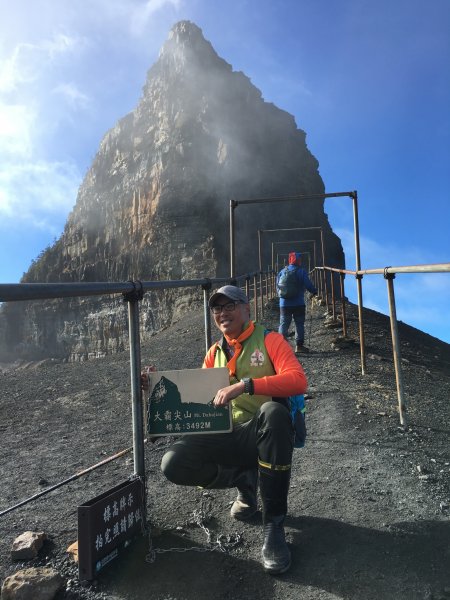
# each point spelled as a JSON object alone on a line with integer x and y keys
{"x": 154, "y": 204}
{"x": 369, "y": 504}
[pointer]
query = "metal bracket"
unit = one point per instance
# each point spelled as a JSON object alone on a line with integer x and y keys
{"x": 387, "y": 275}
{"x": 207, "y": 286}
{"x": 136, "y": 294}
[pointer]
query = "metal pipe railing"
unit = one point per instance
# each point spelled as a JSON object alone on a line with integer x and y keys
{"x": 396, "y": 349}
{"x": 344, "y": 318}
{"x": 133, "y": 293}
{"x": 389, "y": 274}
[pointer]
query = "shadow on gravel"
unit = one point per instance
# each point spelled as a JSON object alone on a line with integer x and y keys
{"x": 408, "y": 561}
{"x": 187, "y": 576}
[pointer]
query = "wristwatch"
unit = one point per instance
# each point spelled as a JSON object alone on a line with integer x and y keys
{"x": 248, "y": 386}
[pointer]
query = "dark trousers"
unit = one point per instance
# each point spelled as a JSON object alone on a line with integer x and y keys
{"x": 286, "y": 315}
{"x": 268, "y": 436}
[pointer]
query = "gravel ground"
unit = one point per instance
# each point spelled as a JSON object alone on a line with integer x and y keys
{"x": 369, "y": 511}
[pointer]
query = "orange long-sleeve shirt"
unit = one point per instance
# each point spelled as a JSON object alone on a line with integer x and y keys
{"x": 289, "y": 380}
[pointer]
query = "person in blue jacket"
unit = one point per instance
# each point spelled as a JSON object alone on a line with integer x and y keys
{"x": 294, "y": 305}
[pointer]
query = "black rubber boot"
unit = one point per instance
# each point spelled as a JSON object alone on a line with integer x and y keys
{"x": 274, "y": 488}
{"x": 246, "y": 480}
{"x": 246, "y": 503}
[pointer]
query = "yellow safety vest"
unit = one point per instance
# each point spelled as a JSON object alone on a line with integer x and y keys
{"x": 254, "y": 362}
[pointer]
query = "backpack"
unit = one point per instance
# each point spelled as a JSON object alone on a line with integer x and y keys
{"x": 298, "y": 409}
{"x": 288, "y": 283}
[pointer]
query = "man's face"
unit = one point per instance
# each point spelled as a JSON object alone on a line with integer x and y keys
{"x": 231, "y": 322}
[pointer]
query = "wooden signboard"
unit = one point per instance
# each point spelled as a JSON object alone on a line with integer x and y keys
{"x": 180, "y": 402}
{"x": 107, "y": 524}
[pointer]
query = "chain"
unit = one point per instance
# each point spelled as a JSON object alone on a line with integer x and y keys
{"x": 222, "y": 543}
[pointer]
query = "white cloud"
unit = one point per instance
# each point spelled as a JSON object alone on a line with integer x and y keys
{"x": 141, "y": 14}
{"x": 34, "y": 189}
{"x": 32, "y": 193}
{"x": 74, "y": 97}
{"x": 60, "y": 44}
{"x": 16, "y": 125}
{"x": 13, "y": 72}
{"x": 26, "y": 62}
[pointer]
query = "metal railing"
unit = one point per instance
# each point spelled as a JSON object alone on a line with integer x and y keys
{"x": 132, "y": 292}
{"x": 389, "y": 274}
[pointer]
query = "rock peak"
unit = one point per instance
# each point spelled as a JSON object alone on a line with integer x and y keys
{"x": 155, "y": 202}
{"x": 185, "y": 30}
{"x": 186, "y": 43}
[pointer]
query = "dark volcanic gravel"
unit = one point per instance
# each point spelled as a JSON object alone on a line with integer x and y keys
{"x": 369, "y": 513}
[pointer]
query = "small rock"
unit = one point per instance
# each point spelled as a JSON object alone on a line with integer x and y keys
{"x": 27, "y": 545}
{"x": 39, "y": 583}
{"x": 73, "y": 550}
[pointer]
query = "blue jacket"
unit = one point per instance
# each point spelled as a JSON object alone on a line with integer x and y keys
{"x": 304, "y": 283}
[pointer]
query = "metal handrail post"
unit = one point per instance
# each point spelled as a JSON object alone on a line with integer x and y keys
{"x": 233, "y": 205}
{"x": 261, "y": 292}
{"x": 319, "y": 282}
{"x": 333, "y": 298}
{"x": 344, "y": 319}
{"x": 396, "y": 349}
{"x": 207, "y": 316}
{"x": 359, "y": 283}
{"x": 133, "y": 299}
{"x": 259, "y": 250}
{"x": 255, "y": 295}
{"x": 324, "y": 272}
{"x": 360, "y": 321}
{"x": 247, "y": 286}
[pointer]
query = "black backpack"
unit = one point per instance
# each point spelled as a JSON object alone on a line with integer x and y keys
{"x": 288, "y": 283}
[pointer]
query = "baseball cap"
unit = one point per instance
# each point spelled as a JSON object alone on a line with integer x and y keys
{"x": 230, "y": 291}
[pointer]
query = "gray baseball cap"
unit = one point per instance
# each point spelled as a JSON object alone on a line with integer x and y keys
{"x": 230, "y": 291}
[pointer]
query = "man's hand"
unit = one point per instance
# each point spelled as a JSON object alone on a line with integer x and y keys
{"x": 145, "y": 374}
{"x": 226, "y": 394}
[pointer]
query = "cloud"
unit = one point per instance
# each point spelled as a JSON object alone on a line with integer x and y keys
{"x": 14, "y": 70}
{"x": 16, "y": 125}
{"x": 73, "y": 96}
{"x": 34, "y": 190}
{"x": 26, "y": 62}
{"x": 32, "y": 194}
{"x": 141, "y": 14}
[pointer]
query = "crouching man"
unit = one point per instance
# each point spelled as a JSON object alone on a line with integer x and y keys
{"x": 263, "y": 369}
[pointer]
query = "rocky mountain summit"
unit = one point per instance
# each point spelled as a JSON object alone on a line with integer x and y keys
{"x": 154, "y": 204}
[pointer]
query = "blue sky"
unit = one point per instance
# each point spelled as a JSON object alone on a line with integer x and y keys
{"x": 368, "y": 81}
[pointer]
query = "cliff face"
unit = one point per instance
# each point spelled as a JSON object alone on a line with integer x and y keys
{"x": 155, "y": 202}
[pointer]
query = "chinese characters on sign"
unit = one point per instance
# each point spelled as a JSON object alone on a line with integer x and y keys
{"x": 107, "y": 523}
{"x": 180, "y": 402}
